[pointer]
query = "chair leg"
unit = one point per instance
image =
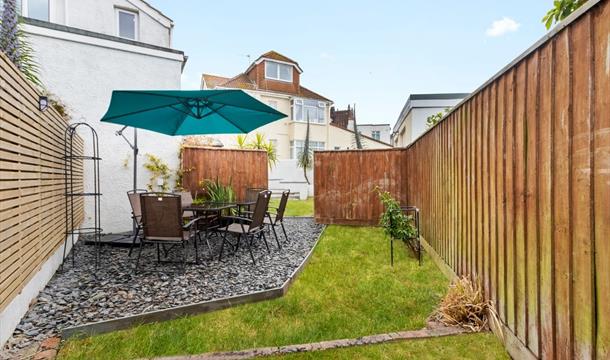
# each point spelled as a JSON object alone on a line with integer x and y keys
{"x": 184, "y": 256}
{"x": 138, "y": 258}
{"x": 222, "y": 245}
{"x": 262, "y": 234}
{"x": 277, "y": 240}
{"x": 238, "y": 241}
{"x": 284, "y": 230}
{"x": 196, "y": 239}
{"x": 158, "y": 253}
{"x": 133, "y": 242}
{"x": 250, "y": 247}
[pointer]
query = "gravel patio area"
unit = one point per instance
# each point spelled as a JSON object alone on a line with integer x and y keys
{"x": 79, "y": 295}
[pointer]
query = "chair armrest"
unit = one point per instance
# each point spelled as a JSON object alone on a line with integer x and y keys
{"x": 237, "y": 218}
{"x": 191, "y": 223}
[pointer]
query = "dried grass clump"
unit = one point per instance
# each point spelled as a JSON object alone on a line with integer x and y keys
{"x": 465, "y": 306}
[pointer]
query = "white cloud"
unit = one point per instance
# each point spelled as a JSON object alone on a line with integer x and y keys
{"x": 502, "y": 26}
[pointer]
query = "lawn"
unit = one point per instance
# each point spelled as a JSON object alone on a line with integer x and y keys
{"x": 296, "y": 207}
{"x": 482, "y": 346}
{"x": 347, "y": 290}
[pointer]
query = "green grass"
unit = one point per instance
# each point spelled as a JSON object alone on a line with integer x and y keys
{"x": 347, "y": 290}
{"x": 296, "y": 207}
{"x": 482, "y": 346}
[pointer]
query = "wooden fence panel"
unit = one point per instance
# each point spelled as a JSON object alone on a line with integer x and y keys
{"x": 345, "y": 182}
{"x": 514, "y": 188}
{"x": 241, "y": 168}
{"x": 32, "y": 203}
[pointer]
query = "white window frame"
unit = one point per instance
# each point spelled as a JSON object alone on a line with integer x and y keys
{"x": 378, "y": 134}
{"x": 316, "y": 147}
{"x": 278, "y": 71}
{"x": 321, "y": 107}
{"x": 25, "y": 12}
{"x": 136, "y": 24}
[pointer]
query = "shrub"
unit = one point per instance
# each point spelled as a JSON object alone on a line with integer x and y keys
{"x": 395, "y": 223}
{"x": 465, "y": 306}
{"x": 217, "y": 192}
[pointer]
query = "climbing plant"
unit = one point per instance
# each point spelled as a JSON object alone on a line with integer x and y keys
{"x": 158, "y": 170}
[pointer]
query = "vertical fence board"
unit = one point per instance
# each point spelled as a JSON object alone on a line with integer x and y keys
{"x": 561, "y": 191}
{"x": 582, "y": 311}
{"x": 601, "y": 175}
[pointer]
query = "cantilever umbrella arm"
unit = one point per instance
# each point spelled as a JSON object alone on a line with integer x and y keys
{"x": 134, "y": 147}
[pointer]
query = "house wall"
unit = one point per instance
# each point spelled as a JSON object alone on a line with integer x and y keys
{"x": 83, "y": 71}
{"x": 257, "y": 74}
{"x": 385, "y": 131}
{"x": 100, "y": 16}
{"x": 413, "y": 123}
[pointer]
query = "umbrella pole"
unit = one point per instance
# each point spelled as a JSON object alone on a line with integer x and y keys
{"x": 135, "y": 167}
{"x": 134, "y": 147}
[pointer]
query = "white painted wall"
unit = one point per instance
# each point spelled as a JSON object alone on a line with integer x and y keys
{"x": 385, "y": 131}
{"x": 82, "y": 72}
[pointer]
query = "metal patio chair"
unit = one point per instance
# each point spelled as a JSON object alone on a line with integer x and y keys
{"x": 162, "y": 224}
{"x": 248, "y": 228}
{"x": 275, "y": 216}
{"x": 136, "y": 213}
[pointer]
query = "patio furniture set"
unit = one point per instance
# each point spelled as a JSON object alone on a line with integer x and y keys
{"x": 172, "y": 221}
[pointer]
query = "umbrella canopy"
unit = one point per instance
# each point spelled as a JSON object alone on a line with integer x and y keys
{"x": 189, "y": 112}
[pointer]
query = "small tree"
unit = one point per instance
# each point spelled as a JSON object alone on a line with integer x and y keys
{"x": 259, "y": 143}
{"x": 357, "y": 135}
{"x": 561, "y": 10}
{"x": 305, "y": 157}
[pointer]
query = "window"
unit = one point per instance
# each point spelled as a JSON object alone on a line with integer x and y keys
{"x": 315, "y": 110}
{"x": 296, "y": 147}
{"x": 278, "y": 71}
{"x": 273, "y": 143}
{"x": 38, "y": 9}
{"x": 127, "y": 23}
{"x": 376, "y": 134}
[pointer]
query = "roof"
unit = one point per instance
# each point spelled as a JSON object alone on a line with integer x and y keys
{"x": 364, "y": 136}
{"x": 242, "y": 81}
{"x": 274, "y": 55}
{"x": 210, "y": 81}
{"x": 415, "y": 97}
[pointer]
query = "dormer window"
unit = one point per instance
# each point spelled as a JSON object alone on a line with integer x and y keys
{"x": 278, "y": 71}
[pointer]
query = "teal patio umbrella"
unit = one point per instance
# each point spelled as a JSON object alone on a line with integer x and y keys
{"x": 189, "y": 112}
{"x": 186, "y": 112}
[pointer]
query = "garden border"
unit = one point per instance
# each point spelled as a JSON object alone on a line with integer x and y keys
{"x": 101, "y": 327}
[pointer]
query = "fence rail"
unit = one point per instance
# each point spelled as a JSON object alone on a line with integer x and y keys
{"x": 32, "y": 207}
{"x": 514, "y": 188}
{"x": 241, "y": 168}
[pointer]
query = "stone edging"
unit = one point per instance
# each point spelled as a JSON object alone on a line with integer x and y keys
{"x": 322, "y": 345}
{"x": 127, "y": 322}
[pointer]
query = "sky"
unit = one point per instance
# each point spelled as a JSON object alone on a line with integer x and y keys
{"x": 369, "y": 53}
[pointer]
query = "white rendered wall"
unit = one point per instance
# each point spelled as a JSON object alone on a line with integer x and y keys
{"x": 100, "y": 16}
{"x": 83, "y": 76}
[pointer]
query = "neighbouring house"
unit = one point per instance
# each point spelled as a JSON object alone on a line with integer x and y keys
{"x": 411, "y": 122}
{"x": 275, "y": 79}
{"x": 345, "y": 119}
{"x": 88, "y": 48}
